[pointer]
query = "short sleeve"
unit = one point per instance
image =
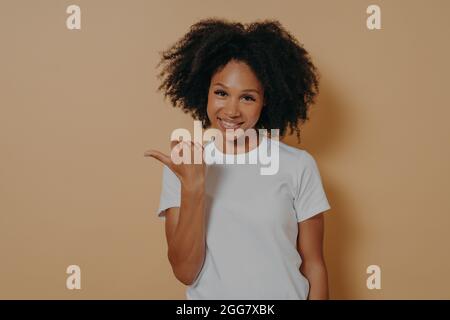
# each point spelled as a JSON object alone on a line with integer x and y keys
{"x": 310, "y": 196}
{"x": 170, "y": 192}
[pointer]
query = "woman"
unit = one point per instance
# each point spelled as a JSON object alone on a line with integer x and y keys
{"x": 233, "y": 233}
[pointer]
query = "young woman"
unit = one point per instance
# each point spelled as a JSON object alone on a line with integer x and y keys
{"x": 233, "y": 233}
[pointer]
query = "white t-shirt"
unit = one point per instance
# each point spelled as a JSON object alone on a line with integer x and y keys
{"x": 252, "y": 224}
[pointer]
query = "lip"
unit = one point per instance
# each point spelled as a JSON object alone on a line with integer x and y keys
{"x": 226, "y": 124}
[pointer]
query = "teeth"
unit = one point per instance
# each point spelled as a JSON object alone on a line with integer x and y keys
{"x": 229, "y": 125}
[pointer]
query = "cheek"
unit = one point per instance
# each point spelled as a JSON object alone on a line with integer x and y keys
{"x": 254, "y": 114}
{"x": 214, "y": 105}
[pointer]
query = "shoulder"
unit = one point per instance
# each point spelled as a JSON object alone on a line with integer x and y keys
{"x": 293, "y": 154}
{"x": 295, "y": 159}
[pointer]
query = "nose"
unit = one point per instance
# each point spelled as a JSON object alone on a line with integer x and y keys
{"x": 232, "y": 109}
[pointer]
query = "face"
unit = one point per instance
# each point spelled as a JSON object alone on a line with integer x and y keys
{"x": 235, "y": 98}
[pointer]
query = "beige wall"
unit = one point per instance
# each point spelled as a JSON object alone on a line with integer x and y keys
{"x": 79, "y": 108}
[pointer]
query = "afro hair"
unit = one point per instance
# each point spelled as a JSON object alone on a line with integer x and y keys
{"x": 283, "y": 67}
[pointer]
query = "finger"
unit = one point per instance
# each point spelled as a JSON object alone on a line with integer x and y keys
{"x": 190, "y": 147}
{"x": 198, "y": 153}
{"x": 198, "y": 148}
{"x": 173, "y": 143}
{"x": 149, "y": 153}
{"x": 165, "y": 159}
{"x": 187, "y": 143}
{"x": 199, "y": 145}
{"x": 176, "y": 153}
{"x": 196, "y": 144}
{"x": 187, "y": 146}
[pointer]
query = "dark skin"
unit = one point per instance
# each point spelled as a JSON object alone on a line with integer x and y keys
{"x": 237, "y": 96}
{"x": 310, "y": 248}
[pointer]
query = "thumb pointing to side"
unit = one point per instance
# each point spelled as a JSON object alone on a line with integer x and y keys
{"x": 165, "y": 159}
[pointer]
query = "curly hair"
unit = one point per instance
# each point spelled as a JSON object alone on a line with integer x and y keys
{"x": 281, "y": 64}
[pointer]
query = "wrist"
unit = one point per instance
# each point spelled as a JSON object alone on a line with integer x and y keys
{"x": 197, "y": 186}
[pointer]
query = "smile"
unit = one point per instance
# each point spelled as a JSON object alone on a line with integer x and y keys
{"x": 229, "y": 125}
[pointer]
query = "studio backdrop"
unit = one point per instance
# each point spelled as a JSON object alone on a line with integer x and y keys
{"x": 79, "y": 106}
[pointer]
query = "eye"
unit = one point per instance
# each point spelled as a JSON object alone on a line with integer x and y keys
{"x": 249, "y": 97}
{"x": 220, "y": 92}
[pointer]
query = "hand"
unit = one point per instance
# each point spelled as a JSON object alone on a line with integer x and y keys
{"x": 190, "y": 174}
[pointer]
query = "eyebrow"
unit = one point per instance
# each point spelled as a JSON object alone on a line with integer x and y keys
{"x": 246, "y": 90}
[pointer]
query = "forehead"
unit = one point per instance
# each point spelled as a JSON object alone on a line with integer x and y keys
{"x": 237, "y": 74}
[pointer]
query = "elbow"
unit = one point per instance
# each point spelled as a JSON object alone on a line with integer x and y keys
{"x": 182, "y": 271}
{"x": 184, "y": 280}
{"x": 314, "y": 269}
{"x": 183, "y": 276}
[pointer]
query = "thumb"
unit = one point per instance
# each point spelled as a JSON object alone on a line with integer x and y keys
{"x": 165, "y": 159}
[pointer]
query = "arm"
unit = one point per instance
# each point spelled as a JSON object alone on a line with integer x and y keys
{"x": 185, "y": 234}
{"x": 185, "y": 226}
{"x": 310, "y": 247}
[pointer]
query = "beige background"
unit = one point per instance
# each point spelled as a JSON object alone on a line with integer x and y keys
{"x": 79, "y": 108}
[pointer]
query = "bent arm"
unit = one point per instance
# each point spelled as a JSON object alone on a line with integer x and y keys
{"x": 185, "y": 233}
